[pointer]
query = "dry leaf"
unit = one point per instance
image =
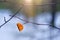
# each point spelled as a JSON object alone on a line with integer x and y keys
{"x": 20, "y": 26}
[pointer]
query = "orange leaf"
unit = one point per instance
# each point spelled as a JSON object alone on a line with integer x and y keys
{"x": 20, "y": 26}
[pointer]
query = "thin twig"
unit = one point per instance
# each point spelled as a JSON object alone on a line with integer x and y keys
{"x": 34, "y": 22}
{"x": 21, "y": 19}
{"x": 10, "y": 18}
{"x": 5, "y": 19}
{"x": 28, "y": 21}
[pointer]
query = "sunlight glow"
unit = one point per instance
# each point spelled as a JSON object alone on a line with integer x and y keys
{"x": 29, "y": 8}
{"x": 27, "y": 2}
{"x": 37, "y": 2}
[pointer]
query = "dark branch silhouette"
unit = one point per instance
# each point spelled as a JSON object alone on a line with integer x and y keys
{"x": 34, "y": 22}
{"x": 10, "y": 18}
{"x": 28, "y": 21}
{"x": 5, "y": 19}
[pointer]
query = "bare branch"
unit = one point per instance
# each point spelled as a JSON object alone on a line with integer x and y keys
{"x": 10, "y": 18}
{"x": 5, "y": 19}
{"x": 20, "y": 19}
{"x": 34, "y": 22}
{"x": 28, "y": 21}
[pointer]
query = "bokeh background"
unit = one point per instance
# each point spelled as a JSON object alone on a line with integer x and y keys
{"x": 38, "y": 11}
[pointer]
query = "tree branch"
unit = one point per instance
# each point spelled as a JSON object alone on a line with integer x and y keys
{"x": 10, "y": 18}
{"x": 28, "y": 21}
{"x": 5, "y": 19}
{"x": 34, "y": 22}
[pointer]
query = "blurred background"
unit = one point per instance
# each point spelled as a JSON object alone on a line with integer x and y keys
{"x": 35, "y": 11}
